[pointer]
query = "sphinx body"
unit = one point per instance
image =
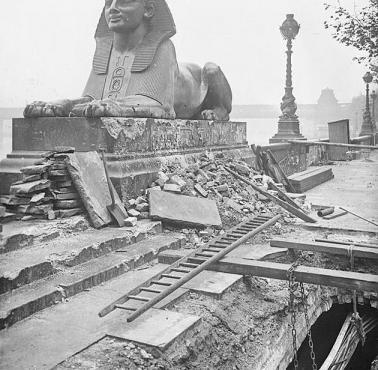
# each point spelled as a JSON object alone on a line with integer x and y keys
{"x": 135, "y": 72}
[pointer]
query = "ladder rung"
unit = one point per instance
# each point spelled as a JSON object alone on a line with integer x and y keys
{"x": 126, "y": 308}
{"x": 150, "y": 290}
{"x": 157, "y": 282}
{"x": 197, "y": 260}
{"x": 171, "y": 276}
{"x": 137, "y": 298}
{"x": 204, "y": 255}
{"x": 187, "y": 264}
{"x": 211, "y": 250}
{"x": 175, "y": 269}
{"x": 216, "y": 245}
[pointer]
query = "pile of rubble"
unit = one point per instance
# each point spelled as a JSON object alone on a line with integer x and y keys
{"x": 46, "y": 191}
{"x": 208, "y": 179}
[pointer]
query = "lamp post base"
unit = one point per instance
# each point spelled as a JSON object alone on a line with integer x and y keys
{"x": 367, "y": 125}
{"x": 288, "y": 129}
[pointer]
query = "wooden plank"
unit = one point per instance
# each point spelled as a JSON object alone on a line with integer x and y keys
{"x": 344, "y": 250}
{"x": 309, "y": 275}
{"x": 295, "y": 211}
{"x": 336, "y": 347}
{"x": 347, "y": 243}
{"x": 311, "y": 143}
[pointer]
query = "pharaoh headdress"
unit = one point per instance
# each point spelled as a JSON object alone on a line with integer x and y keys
{"x": 162, "y": 27}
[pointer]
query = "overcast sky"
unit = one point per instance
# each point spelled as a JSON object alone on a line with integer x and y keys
{"x": 46, "y": 48}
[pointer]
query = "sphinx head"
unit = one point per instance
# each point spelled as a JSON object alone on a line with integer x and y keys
{"x": 124, "y": 16}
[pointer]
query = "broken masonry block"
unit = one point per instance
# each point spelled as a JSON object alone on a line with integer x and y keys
{"x": 201, "y": 191}
{"x": 142, "y": 207}
{"x": 131, "y": 221}
{"x": 177, "y": 181}
{"x": 133, "y": 213}
{"x": 173, "y": 188}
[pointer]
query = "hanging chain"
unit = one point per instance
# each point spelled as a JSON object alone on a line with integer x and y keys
{"x": 356, "y": 318}
{"x": 310, "y": 342}
{"x": 293, "y": 286}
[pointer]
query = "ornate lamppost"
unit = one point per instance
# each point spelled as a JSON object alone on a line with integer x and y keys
{"x": 367, "y": 124}
{"x": 288, "y": 124}
{"x": 373, "y": 99}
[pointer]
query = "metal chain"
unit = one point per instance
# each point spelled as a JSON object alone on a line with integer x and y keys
{"x": 293, "y": 286}
{"x": 356, "y": 319}
{"x": 310, "y": 342}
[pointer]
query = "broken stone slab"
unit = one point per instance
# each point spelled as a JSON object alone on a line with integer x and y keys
{"x": 131, "y": 221}
{"x": 173, "y": 188}
{"x": 235, "y": 206}
{"x": 183, "y": 210}
{"x": 42, "y": 209}
{"x": 29, "y": 187}
{"x": 37, "y": 197}
{"x": 10, "y": 200}
{"x": 142, "y": 207}
{"x": 156, "y": 328}
{"x": 32, "y": 178}
{"x": 67, "y": 196}
{"x": 175, "y": 179}
{"x": 68, "y": 204}
{"x": 201, "y": 191}
{"x": 133, "y": 213}
{"x": 66, "y": 213}
{"x": 34, "y": 170}
{"x": 88, "y": 173}
{"x": 3, "y": 211}
{"x": 243, "y": 170}
{"x": 222, "y": 188}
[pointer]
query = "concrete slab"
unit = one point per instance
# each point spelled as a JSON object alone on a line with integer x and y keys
{"x": 156, "y": 328}
{"x": 212, "y": 283}
{"x": 49, "y": 337}
{"x": 183, "y": 210}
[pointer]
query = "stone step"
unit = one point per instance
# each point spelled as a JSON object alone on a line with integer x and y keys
{"x": 29, "y": 299}
{"x": 21, "y": 267}
{"x": 22, "y": 234}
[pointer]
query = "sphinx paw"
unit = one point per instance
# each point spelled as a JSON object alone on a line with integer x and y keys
{"x": 44, "y": 109}
{"x": 209, "y": 115}
{"x": 95, "y": 108}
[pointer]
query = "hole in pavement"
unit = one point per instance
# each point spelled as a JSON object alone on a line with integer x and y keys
{"x": 324, "y": 333}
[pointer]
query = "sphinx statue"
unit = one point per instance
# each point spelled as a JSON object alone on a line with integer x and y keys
{"x": 135, "y": 72}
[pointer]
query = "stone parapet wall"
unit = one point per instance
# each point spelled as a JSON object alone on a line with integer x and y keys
{"x": 124, "y": 135}
{"x": 136, "y": 148}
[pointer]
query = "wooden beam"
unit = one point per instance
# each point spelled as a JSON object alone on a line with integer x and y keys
{"x": 310, "y": 275}
{"x": 295, "y": 211}
{"x": 344, "y": 250}
{"x": 311, "y": 143}
{"x": 347, "y": 243}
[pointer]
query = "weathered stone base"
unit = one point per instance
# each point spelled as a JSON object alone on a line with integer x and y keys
{"x": 137, "y": 148}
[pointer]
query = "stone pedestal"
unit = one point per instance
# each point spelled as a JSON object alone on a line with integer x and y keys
{"x": 136, "y": 148}
{"x": 288, "y": 129}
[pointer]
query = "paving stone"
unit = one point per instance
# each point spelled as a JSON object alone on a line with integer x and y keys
{"x": 184, "y": 210}
{"x": 133, "y": 212}
{"x": 156, "y": 328}
{"x": 212, "y": 283}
